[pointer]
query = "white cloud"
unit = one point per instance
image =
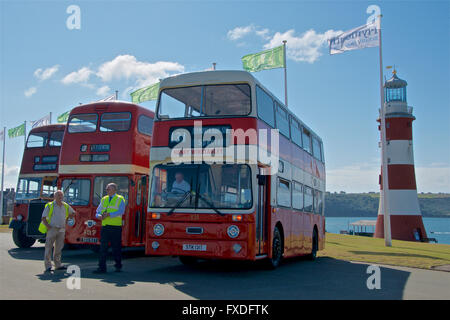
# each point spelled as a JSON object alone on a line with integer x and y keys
{"x": 363, "y": 177}
{"x": 103, "y": 91}
{"x": 144, "y": 73}
{"x": 240, "y": 32}
{"x": 29, "y": 92}
{"x": 80, "y": 76}
{"x": 44, "y": 74}
{"x": 11, "y": 174}
{"x": 306, "y": 47}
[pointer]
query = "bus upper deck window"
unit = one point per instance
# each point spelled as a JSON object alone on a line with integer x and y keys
{"x": 56, "y": 138}
{"x": 205, "y": 101}
{"x": 83, "y": 123}
{"x": 118, "y": 121}
{"x": 37, "y": 140}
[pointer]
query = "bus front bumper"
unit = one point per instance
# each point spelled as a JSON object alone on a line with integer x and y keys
{"x": 228, "y": 249}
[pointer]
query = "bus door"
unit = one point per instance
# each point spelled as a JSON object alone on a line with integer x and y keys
{"x": 262, "y": 214}
{"x": 140, "y": 208}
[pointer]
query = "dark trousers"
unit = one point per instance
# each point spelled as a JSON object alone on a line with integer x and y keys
{"x": 113, "y": 235}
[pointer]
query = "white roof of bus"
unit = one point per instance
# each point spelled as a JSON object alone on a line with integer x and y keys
{"x": 221, "y": 76}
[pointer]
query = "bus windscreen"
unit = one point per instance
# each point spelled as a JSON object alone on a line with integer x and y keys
{"x": 203, "y": 186}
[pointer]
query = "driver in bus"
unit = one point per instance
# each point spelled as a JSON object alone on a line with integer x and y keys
{"x": 180, "y": 185}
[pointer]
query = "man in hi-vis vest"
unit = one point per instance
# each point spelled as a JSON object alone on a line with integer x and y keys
{"x": 110, "y": 211}
{"x": 53, "y": 224}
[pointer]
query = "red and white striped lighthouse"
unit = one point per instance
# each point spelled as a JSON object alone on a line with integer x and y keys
{"x": 406, "y": 218}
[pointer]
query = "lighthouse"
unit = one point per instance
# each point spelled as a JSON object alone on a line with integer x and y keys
{"x": 406, "y": 218}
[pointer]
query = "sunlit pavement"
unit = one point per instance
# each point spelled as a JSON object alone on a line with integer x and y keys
{"x": 22, "y": 277}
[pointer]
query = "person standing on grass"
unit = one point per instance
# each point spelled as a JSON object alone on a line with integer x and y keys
{"x": 110, "y": 211}
{"x": 53, "y": 224}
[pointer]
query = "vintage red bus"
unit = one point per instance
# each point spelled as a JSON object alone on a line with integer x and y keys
{"x": 37, "y": 182}
{"x": 106, "y": 142}
{"x": 232, "y": 208}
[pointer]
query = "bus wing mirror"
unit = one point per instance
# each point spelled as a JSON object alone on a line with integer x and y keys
{"x": 144, "y": 181}
{"x": 132, "y": 183}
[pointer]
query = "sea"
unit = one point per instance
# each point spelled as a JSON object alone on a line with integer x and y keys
{"x": 438, "y": 228}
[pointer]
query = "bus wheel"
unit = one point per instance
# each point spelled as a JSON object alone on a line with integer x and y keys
{"x": 188, "y": 261}
{"x": 277, "y": 250}
{"x": 20, "y": 238}
{"x": 315, "y": 246}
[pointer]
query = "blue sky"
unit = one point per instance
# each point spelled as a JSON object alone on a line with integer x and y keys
{"x": 122, "y": 45}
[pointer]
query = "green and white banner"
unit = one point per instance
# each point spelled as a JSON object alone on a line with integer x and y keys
{"x": 17, "y": 131}
{"x": 145, "y": 94}
{"x": 62, "y": 118}
{"x": 264, "y": 60}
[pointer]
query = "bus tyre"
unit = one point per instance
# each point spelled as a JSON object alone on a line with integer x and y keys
{"x": 277, "y": 250}
{"x": 188, "y": 261}
{"x": 315, "y": 246}
{"x": 20, "y": 238}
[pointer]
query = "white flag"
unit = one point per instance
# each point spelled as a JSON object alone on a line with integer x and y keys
{"x": 1, "y": 135}
{"x": 361, "y": 37}
{"x": 110, "y": 98}
{"x": 44, "y": 121}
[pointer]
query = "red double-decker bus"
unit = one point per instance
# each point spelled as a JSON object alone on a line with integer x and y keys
{"x": 206, "y": 199}
{"x": 37, "y": 182}
{"x": 106, "y": 142}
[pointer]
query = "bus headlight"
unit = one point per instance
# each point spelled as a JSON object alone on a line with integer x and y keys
{"x": 233, "y": 231}
{"x": 237, "y": 247}
{"x": 19, "y": 217}
{"x": 71, "y": 222}
{"x": 158, "y": 229}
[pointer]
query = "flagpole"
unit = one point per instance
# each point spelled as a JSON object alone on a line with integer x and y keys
{"x": 285, "y": 74}
{"x": 50, "y": 118}
{"x": 3, "y": 170}
{"x": 25, "y": 134}
{"x": 117, "y": 94}
{"x": 384, "y": 169}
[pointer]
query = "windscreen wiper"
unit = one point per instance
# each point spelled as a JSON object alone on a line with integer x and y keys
{"x": 209, "y": 203}
{"x": 178, "y": 204}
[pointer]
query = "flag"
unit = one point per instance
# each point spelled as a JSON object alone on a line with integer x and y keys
{"x": 1, "y": 135}
{"x": 17, "y": 131}
{"x": 110, "y": 98}
{"x": 145, "y": 94}
{"x": 361, "y": 37}
{"x": 63, "y": 117}
{"x": 264, "y": 60}
{"x": 44, "y": 121}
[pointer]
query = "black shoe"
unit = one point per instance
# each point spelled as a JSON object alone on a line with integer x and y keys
{"x": 118, "y": 270}
{"x": 48, "y": 270}
{"x": 99, "y": 271}
{"x": 61, "y": 268}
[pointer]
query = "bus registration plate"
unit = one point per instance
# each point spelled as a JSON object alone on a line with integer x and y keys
{"x": 194, "y": 247}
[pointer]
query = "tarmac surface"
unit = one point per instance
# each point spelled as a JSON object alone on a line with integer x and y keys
{"x": 151, "y": 277}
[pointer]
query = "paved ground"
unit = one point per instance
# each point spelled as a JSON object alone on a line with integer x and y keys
{"x": 21, "y": 276}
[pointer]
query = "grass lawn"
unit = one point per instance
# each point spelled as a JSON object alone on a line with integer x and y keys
{"x": 402, "y": 253}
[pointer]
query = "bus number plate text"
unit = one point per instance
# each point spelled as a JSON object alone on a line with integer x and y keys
{"x": 194, "y": 247}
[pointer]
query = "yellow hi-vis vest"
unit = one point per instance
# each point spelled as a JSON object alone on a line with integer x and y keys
{"x": 51, "y": 205}
{"x": 111, "y": 207}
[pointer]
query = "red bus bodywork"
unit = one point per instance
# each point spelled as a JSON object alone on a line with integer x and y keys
{"x": 37, "y": 177}
{"x": 127, "y": 161}
{"x": 296, "y": 226}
